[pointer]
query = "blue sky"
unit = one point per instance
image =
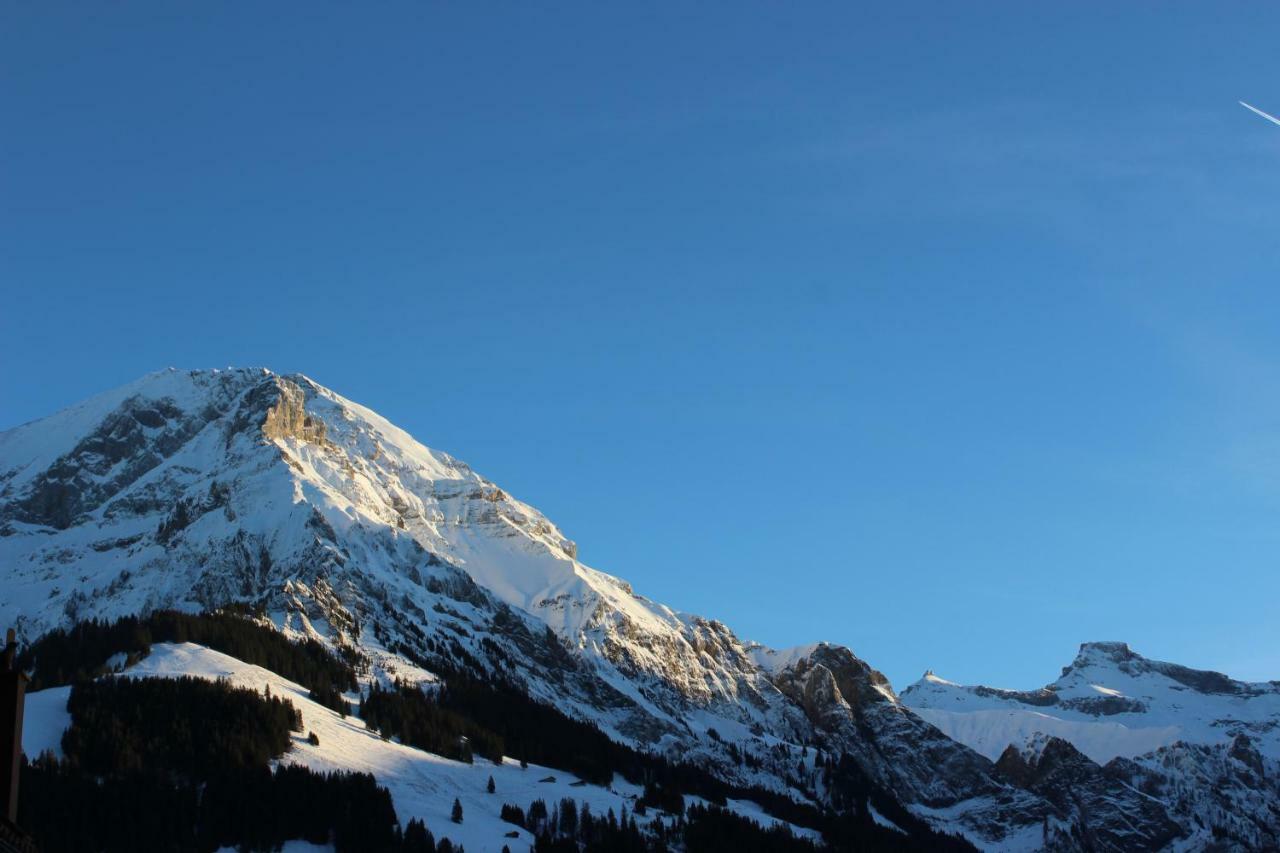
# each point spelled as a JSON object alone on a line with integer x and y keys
{"x": 942, "y": 332}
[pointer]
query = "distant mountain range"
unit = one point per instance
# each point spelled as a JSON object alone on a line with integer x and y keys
{"x": 193, "y": 490}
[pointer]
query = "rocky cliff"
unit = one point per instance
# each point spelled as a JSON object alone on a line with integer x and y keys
{"x": 194, "y": 489}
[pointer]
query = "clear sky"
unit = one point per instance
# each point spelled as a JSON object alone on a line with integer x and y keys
{"x": 945, "y": 331}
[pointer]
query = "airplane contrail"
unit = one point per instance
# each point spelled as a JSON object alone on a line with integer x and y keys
{"x": 1267, "y": 116}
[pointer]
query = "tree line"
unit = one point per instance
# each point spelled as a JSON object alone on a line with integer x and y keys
{"x": 184, "y": 764}
{"x": 187, "y": 725}
{"x": 572, "y": 827}
{"x": 404, "y": 711}
{"x": 473, "y": 713}
{"x": 81, "y": 652}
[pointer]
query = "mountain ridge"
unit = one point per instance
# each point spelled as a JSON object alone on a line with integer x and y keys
{"x": 194, "y": 489}
{"x": 1110, "y": 702}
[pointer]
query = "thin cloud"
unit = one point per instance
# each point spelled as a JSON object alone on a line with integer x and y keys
{"x": 1053, "y": 164}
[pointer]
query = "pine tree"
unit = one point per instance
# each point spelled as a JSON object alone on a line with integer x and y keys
{"x": 537, "y": 814}
{"x": 417, "y": 839}
{"x": 490, "y": 787}
{"x": 456, "y": 814}
{"x": 568, "y": 816}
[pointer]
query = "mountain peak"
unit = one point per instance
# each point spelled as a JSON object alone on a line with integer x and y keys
{"x": 1102, "y": 652}
{"x": 1110, "y": 701}
{"x": 188, "y": 487}
{"x": 196, "y": 489}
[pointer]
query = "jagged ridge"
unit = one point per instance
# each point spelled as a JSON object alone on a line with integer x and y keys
{"x": 192, "y": 489}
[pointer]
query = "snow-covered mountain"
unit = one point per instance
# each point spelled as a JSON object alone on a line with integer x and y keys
{"x": 1205, "y": 746}
{"x": 194, "y": 489}
{"x": 1109, "y": 702}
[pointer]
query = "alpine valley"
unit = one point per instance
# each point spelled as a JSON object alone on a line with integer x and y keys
{"x": 137, "y": 526}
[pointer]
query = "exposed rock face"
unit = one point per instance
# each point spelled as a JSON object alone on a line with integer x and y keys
{"x": 835, "y": 687}
{"x": 124, "y": 447}
{"x": 1105, "y": 812}
{"x": 854, "y": 708}
{"x": 1200, "y": 746}
{"x": 288, "y": 418}
{"x": 850, "y": 682}
{"x": 1225, "y": 796}
{"x": 196, "y": 489}
{"x": 1110, "y": 701}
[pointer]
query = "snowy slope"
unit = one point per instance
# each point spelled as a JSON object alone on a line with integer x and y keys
{"x": 422, "y": 785}
{"x": 195, "y": 489}
{"x": 1109, "y": 702}
{"x": 191, "y": 488}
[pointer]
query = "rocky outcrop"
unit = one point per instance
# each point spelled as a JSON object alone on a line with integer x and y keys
{"x": 1224, "y": 795}
{"x": 193, "y": 490}
{"x": 288, "y": 418}
{"x": 129, "y": 443}
{"x": 832, "y": 685}
{"x": 855, "y": 711}
{"x": 1105, "y": 813}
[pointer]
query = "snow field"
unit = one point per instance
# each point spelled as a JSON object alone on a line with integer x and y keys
{"x": 422, "y": 785}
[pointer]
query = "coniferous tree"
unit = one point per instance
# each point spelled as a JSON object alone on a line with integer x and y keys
{"x": 417, "y": 839}
{"x": 568, "y": 817}
{"x": 227, "y": 784}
